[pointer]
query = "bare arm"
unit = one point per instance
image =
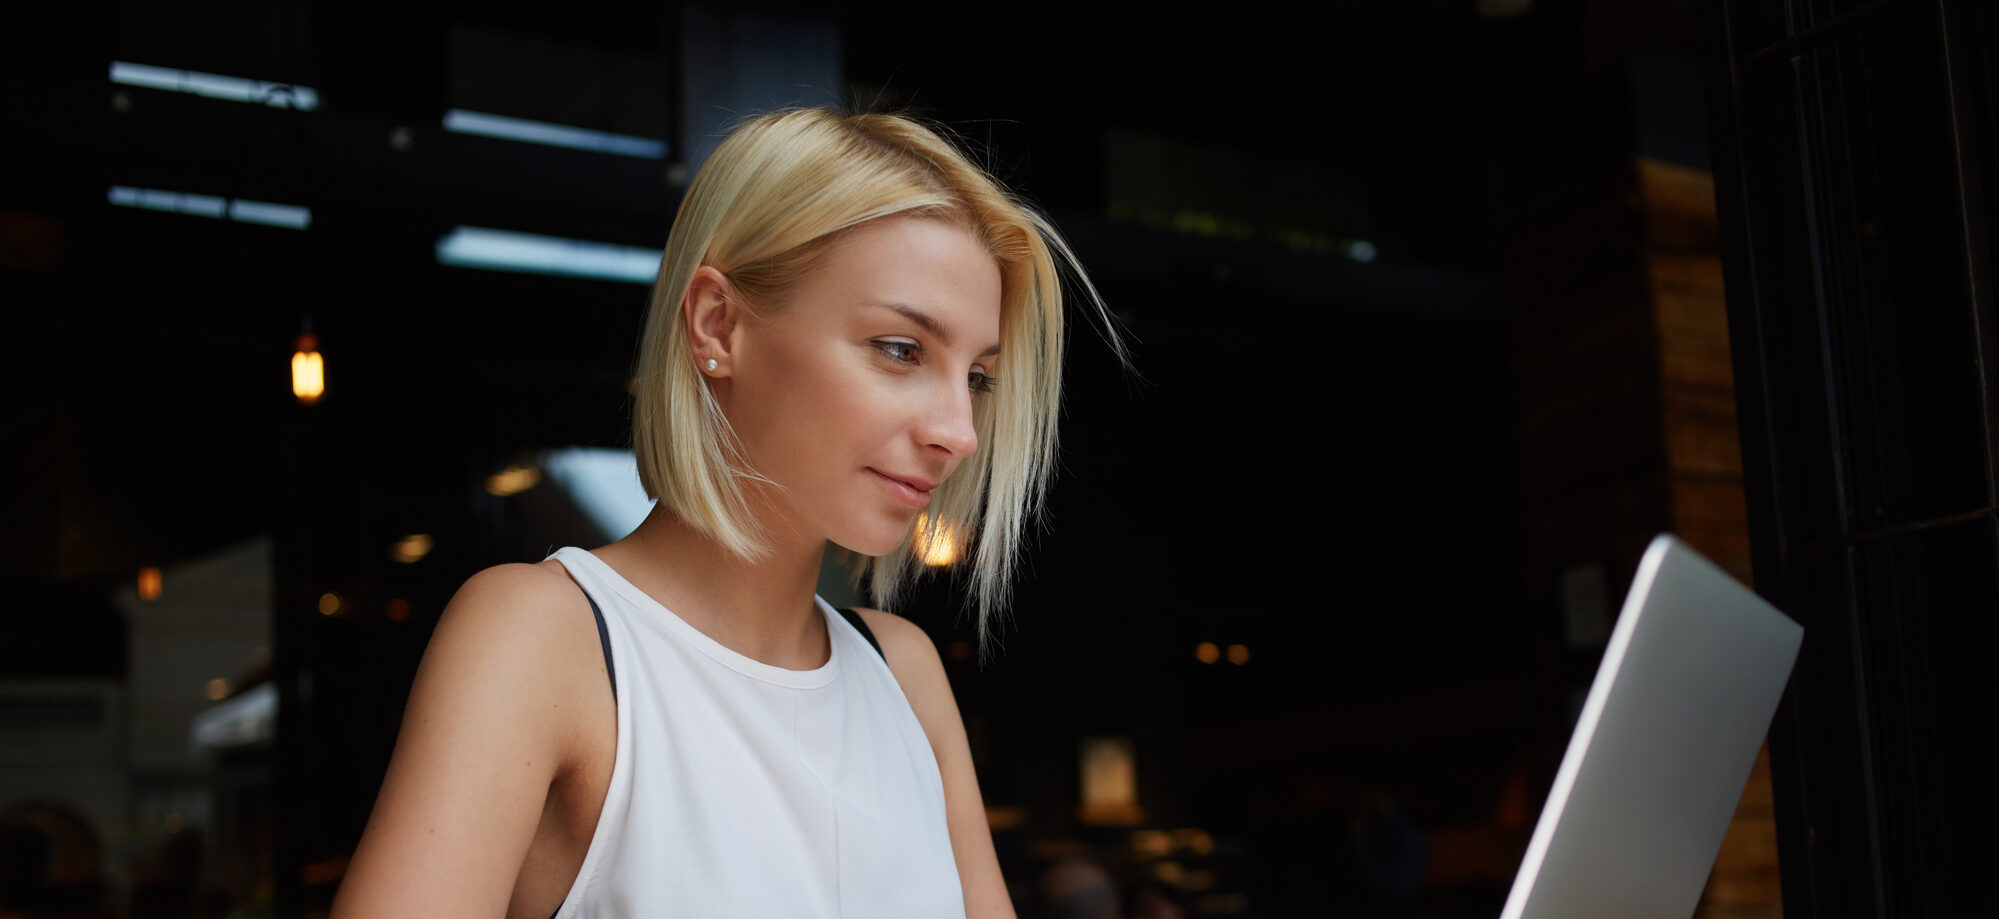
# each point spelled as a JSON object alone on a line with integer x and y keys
{"x": 482, "y": 739}
{"x": 914, "y": 661}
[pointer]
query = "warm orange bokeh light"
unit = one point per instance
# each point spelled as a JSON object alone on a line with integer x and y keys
{"x": 512, "y": 480}
{"x": 412, "y": 548}
{"x": 1109, "y": 773}
{"x": 1207, "y": 653}
{"x": 1238, "y": 654}
{"x": 308, "y": 371}
{"x": 937, "y": 543}
{"x": 149, "y": 583}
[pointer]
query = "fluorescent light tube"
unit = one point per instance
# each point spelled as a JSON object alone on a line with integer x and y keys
{"x": 215, "y": 86}
{"x": 554, "y": 135}
{"x": 503, "y": 250}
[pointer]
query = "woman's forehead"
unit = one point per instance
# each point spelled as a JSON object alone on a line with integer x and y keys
{"x": 934, "y": 272}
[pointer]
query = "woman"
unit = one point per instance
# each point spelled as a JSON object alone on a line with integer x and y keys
{"x": 673, "y": 724}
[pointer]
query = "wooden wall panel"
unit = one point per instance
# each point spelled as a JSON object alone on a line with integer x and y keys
{"x": 1704, "y": 472}
{"x": 1625, "y": 424}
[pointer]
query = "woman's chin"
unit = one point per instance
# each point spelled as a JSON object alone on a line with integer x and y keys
{"x": 871, "y": 545}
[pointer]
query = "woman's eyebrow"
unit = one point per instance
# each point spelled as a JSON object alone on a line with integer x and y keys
{"x": 931, "y": 325}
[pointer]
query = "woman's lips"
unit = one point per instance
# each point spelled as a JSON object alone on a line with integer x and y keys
{"x": 915, "y": 493}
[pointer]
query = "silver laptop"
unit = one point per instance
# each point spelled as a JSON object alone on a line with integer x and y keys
{"x": 1663, "y": 748}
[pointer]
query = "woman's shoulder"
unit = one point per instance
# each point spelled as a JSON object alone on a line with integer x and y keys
{"x": 518, "y": 590}
{"x": 912, "y": 657}
{"x": 527, "y": 622}
{"x": 516, "y": 602}
{"x": 501, "y": 708}
{"x": 894, "y": 631}
{"x": 516, "y": 646}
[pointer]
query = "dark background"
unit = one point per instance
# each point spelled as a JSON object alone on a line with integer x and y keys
{"x": 1315, "y": 456}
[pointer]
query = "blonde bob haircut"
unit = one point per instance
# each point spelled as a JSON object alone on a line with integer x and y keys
{"x": 769, "y": 202}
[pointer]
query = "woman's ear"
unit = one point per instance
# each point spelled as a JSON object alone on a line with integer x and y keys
{"x": 714, "y": 314}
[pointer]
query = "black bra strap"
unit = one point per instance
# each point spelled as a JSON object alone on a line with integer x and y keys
{"x": 866, "y": 632}
{"x": 604, "y": 637}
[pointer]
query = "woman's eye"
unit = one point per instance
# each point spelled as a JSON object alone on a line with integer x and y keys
{"x": 902, "y": 352}
{"x": 981, "y": 381}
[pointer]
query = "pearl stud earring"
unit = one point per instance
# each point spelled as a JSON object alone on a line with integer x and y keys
{"x": 712, "y": 364}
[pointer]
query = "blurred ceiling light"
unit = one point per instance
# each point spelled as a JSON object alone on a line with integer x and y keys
{"x": 1238, "y": 654}
{"x": 935, "y": 543}
{"x": 149, "y": 583}
{"x": 308, "y": 370}
{"x": 1109, "y": 770}
{"x": 512, "y": 480}
{"x": 1360, "y": 250}
{"x": 218, "y": 689}
{"x": 604, "y": 483}
{"x": 1151, "y": 844}
{"x": 246, "y": 719}
{"x": 288, "y": 216}
{"x": 172, "y": 202}
{"x": 554, "y": 135}
{"x": 328, "y": 604}
{"x": 1207, "y": 652}
{"x": 241, "y": 210}
{"x": 503, "y": 250}
{"x": 216, "y": 86}
{"x": 412, "y": 548}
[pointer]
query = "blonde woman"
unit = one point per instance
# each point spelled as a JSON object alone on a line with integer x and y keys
{"x": 854, "y": 328}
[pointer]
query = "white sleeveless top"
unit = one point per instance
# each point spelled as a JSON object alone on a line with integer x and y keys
{"x": 743, "y": 789}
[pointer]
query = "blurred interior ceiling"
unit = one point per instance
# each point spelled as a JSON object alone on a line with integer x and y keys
{"x": 151, "y": 346}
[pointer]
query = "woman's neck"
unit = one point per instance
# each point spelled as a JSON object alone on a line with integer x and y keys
{"x": 763, "y": 610}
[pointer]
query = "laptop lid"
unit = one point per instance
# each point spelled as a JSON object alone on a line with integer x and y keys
{"x": 1667, "y": 736}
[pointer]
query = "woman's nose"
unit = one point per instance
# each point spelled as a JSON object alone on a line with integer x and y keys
{"x": 949, "y": 427}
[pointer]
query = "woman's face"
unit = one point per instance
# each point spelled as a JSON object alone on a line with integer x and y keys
{"x": 856, "y": 395}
